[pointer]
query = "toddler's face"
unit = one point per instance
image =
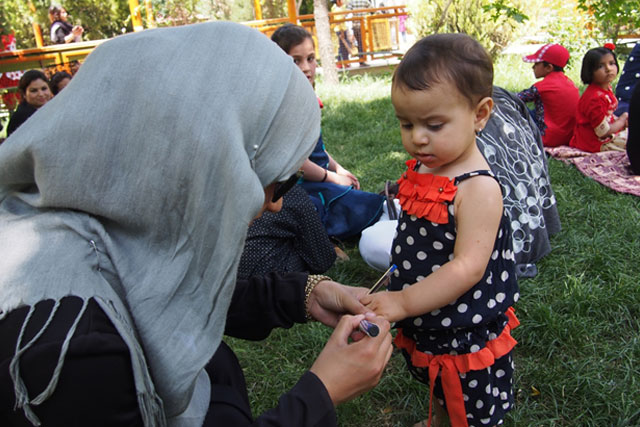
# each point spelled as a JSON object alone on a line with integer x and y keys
{"x": 304, "y": 56}
{"x": 437, "y": 125}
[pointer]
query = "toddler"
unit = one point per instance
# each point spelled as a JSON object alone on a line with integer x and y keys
{"x": 555, "y": 97}
{"x": 597, "y": 128}
{"x": 452, "y": 292}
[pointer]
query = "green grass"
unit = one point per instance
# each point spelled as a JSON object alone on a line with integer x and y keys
{"x": 578, "y": 357}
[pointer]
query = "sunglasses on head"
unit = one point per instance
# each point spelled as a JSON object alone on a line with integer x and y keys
{"x": 281, "y": 188}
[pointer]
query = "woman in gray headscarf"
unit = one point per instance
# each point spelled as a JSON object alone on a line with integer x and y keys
{"x": 122, "y": 220}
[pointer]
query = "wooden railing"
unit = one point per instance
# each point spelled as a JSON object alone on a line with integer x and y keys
{"x": 379, "y": 31}
{"x": 379, "y": 27}
{"x": 60, "y": 55}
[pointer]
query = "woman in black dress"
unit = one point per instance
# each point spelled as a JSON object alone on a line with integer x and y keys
{"x": 35, "y": 92}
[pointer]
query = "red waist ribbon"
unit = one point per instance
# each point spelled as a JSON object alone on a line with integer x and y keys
{"x": 451, "y": 366}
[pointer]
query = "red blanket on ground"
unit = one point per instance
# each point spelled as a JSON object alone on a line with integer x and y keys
{"x": 609, "y": 168}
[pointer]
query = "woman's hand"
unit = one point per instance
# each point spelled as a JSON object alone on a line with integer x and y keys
{"x": 330, "y": 300}
{"x": 386, "y": 304}
{"x": 348, "y": 369}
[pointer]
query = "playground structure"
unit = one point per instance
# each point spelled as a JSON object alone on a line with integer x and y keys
{"x": 379, "y": 28}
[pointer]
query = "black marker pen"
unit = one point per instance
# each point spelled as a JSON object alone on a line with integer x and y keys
{"x": 368, "y": 328}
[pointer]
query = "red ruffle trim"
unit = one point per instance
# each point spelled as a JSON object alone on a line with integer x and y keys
{"x": 425, "y": 195}
{"x": 451, "y": 366}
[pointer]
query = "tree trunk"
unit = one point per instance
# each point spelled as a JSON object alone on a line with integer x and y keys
{"x": 323, "y": 32}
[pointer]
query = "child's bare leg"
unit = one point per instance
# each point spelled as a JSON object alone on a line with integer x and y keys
{"x": 438, "y": 419}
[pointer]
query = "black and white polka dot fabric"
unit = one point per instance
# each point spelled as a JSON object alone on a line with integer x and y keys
{"x": 629, "y": 78}
{"x": 467, "y": 324}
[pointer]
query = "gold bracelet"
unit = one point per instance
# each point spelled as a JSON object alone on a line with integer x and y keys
{"x": 312, "y": 281}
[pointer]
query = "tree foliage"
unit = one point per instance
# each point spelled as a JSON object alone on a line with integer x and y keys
{"x": 103, "y": 19}
{"x": 183, "y": 12}
{"x": 561, "y": 21}
{"x": 611, "y": 18}
{"x": 491, "y": 22}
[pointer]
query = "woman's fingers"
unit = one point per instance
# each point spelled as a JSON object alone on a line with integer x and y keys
{"x": 330, "y": 300}
{"x": 348, "y": 369}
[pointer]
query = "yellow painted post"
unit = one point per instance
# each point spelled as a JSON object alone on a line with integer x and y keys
{"x": 37, "y": 32}
{"x": 258, "y": 9}
{"x": 151, "y": 21}
{"x": 136, "y": 16}
{"x": 293, "y": 13}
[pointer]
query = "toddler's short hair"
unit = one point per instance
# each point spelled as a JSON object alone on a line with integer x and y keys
{"x": 456, "y": 58}
{"x": 591, "y": 62}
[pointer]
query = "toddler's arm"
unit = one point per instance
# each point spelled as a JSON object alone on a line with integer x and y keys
{"x": 478, "y": 207}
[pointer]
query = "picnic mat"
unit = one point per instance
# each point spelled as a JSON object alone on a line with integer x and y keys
{"x": 609, "y": 168}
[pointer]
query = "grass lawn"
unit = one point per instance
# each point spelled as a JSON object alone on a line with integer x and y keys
{"x": 578, "y": 357}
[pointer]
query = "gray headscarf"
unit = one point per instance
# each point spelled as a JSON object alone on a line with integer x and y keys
{"x": 135, "y": 186}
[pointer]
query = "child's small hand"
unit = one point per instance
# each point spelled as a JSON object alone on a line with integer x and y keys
{"x": 336, "y": 178}
{"x": 352, "y": 178}
{"x": 625, "y": 117}
{"x": 386, "y": 304}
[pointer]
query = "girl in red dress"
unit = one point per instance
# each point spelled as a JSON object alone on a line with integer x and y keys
{"x": 597, "y": 128}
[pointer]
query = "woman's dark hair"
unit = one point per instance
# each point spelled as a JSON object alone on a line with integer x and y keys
{"x": 28, "y": 77}
{"x": 591, "y": 62}
{"x": 56, "y": 79}
{"x": 455, "y": 58}
{"x": 54, "y": 12}
{"x": 289, "y": 36}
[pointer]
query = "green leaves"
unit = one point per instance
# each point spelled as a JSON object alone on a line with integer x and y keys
{"x": 613, "y": 17}
{"x": 501, "y": 9}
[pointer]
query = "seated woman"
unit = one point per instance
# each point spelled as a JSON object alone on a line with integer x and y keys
{"x": 293, "y": 239}
{"x": 512, "y": 145}
{"x": 633, "y": 141}
{"x": 628, "y": 80}
{"x": 35, "y": 92}
{"x": 344, "y": 210}
{"x": 122, "y": 225}
{"x": 61, "y": 30}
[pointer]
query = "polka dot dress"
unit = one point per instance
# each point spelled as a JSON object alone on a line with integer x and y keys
{"x": 629, "y": 77}
{"x": 293, "y": 239}
{"x": 468, "y": 323}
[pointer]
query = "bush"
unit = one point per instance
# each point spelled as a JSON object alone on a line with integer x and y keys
{"x": 494, "y": 23}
